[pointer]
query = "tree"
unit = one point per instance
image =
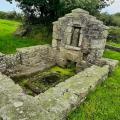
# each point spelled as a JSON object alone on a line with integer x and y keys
{"x": 44, "y": 11}
{"x": 106, "y": 18}
{"x": 110, "y": 20}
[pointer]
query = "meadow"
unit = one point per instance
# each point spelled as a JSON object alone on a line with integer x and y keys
{"x": 9, "y": 42}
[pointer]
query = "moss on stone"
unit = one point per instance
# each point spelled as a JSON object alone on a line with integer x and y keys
{"x": 42, "y": 81}
{"x": 63, "y": 71}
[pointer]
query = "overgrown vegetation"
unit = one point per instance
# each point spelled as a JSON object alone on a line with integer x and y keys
{"x": 113, "y": 44}
{"x": 9, "y": 42}
{"x": 11, "y": 16}
{"x": 114, "y": 34}
{"x": 104, "y": 103}
{"x": 113, "y": 21}
{"x": 40, "y": 82}
{"x": 116, "y": 19}
{"x": 40, "y": 32}
{"x": 110, "y": 20}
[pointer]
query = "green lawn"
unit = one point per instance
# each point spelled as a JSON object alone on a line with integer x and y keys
{"x": 9, "y": 43}
{"x": 104, "y": 102}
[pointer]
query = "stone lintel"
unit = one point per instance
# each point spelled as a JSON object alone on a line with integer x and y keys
{"x": 72, "y": 48}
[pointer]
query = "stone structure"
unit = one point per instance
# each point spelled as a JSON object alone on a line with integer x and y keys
{"x": 54, "y": 104}
{"x": 27, "y": 60}
{"x": 79, "y": 36}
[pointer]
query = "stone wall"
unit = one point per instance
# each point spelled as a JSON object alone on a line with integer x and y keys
{"x": 27, "y": 60}
{"x": 79, "y": 31}
{"x": 77, "y": 37}
{"x": 65, "y": 55}
{"x": 9, "y": 62}
{"x": 36, "y": 54}
{"x": 55, "y": 103}
{"x": 66, "y": 96}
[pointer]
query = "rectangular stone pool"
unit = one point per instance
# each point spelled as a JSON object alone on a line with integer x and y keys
{"x": 42, "y": 81}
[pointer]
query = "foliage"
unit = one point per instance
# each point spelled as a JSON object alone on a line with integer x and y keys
{"x": 2, "y": 15}
{"x": 110, "y": 20}
{"x": 9, "y": 42}
{"x": 104, "y": 103}
{"x": 116, "y": 19}
{"x": 114, "y": 34}
{"x": 40, "y": 32}
{"x": 11, "y": 15}
{"x": 106, "y": 18}
{"x": 43, "y": 11}
{"x": 113, "y": 44}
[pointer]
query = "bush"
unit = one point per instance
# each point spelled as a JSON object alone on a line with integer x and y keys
{"x": 106, "y": 18}
{"x": 39, "y": 32}
{"x": 116, "y": 19}
{"x": 114, "y": 34}
{"x": 2, "y": 15}
{"x": 11, "y": 16}
{"x": 110, "y": 20}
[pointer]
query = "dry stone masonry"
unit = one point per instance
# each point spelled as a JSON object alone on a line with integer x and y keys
{"x": 55, "y": 103}
{"x": 77, "y": 37}
{"x": 27, "y": 60}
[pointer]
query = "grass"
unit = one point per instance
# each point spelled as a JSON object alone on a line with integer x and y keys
{"x": 104, "y": 102}
{"x": 113, "y": 44}
{"x": 9, "y": 42}
{"x": 112, "y": 55}
{"x": 114, "y": 34}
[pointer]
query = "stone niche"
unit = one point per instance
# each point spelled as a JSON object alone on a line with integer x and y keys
{"x": 79, "y": 36}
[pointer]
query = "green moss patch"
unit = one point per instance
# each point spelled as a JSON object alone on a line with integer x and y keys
{"x": 42, "y": 81}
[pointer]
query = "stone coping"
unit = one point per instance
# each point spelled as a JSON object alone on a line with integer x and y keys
{"x": 24, "y": 49}
{"x": 55, "y": 103}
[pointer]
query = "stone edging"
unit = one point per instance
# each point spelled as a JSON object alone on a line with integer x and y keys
{"x": 55, "y": 103}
